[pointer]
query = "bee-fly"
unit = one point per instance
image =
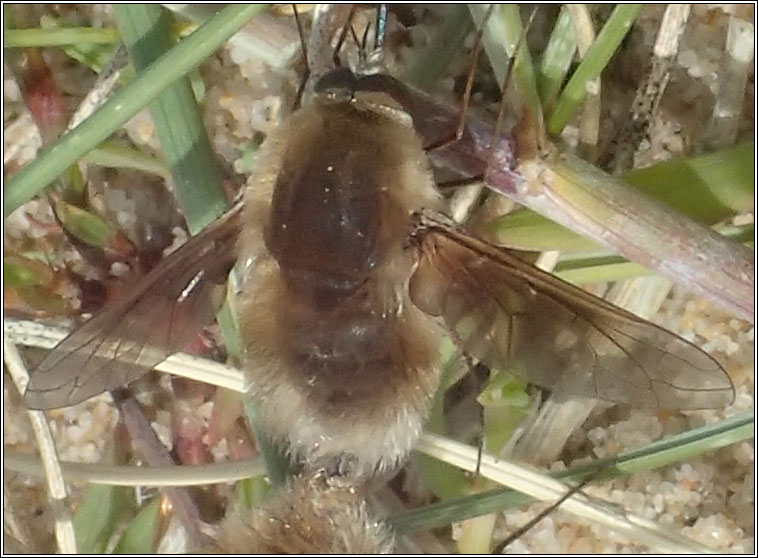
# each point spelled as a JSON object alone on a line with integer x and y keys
{"x": 341, "y": 360}
{"x": 355, "y": 276}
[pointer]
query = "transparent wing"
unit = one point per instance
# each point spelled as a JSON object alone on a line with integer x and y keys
{"x": 159, "y": 316}
{"x": 513, "y": 316}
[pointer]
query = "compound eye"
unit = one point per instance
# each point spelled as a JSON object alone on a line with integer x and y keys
{"x": 339, "y": 82}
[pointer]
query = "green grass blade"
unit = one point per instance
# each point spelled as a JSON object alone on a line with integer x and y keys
{"x": 557, "y": 59}
{"x": 142, "y": 533}
{"x": 501, "y": 36}
{"x": 125, "y": 104}
{"x": 594, "y": 62}
{"x": 708, "y": 188}
{"x": 148, "y": 31}
{"x": 98, "y": 516}
{"x": 21, "y": 38}
{"x": 664, "y": 452}
{"x": 673, "y": 449}
{"x": 117, "y": 156}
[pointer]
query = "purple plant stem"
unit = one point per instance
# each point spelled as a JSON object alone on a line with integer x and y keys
{"x": 156, "y": 455}
{"x": 579, "y": 196}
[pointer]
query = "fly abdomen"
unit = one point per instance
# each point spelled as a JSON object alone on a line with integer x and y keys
{"x": 340, "y": 343}
{"x": 343, "y": 361}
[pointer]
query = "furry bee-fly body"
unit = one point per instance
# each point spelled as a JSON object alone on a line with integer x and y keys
{"x": 343, "y": 364}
